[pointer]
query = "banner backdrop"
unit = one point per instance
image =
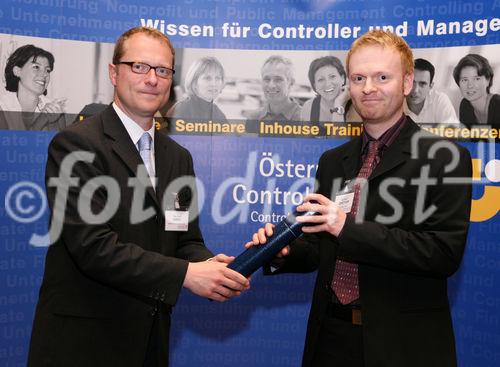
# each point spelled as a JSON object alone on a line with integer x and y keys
{"x": 252, "y": 168}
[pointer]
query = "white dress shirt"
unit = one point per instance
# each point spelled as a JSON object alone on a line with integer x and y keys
{"x": 135, "y": 132}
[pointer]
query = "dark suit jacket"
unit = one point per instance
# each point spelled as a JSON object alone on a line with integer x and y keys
{"x": 104, "y": 284}
{"x": 403, "y": 265}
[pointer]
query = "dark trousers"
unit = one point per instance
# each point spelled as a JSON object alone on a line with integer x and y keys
{"x": 157, "y": 353}
{"x": 340, "y": 344}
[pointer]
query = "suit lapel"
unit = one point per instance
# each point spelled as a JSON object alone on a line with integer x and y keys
{"x": 163, "y": 163}
{"x": 123, "y": 146}
{"x": 399, "y": 151}
{"x": 351, "y": 159}
{"x": 393, "y": 157}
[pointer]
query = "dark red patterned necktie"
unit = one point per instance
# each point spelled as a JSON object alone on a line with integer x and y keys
{"x": 345, "y": 278}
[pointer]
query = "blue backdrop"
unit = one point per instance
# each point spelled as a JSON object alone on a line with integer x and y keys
{"x": 265, "y": 326}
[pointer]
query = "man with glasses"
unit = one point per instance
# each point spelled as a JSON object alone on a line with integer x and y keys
{"x": 109, "y": 286}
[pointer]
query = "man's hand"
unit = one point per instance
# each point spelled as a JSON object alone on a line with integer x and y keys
{"x": 260, "y": 237}
{"x": 331, "y": 218}
{"x": 213, "y": 280}
{"x": 222, "y": 258}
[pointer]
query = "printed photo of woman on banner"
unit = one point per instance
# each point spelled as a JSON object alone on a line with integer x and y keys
{"x": 474, "y": 76}
{"x": 27, "y": 76}
{"x": 328, "y": 79}
{"x": 46, "y": 83}
{"x": 204, "y": 82}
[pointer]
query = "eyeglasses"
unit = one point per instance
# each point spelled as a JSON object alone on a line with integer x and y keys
{"x": 142, "y": 68}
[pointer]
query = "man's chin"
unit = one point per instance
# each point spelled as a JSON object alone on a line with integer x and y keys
{"x": 369, "y": 115}
{"x": 275, "y": 100}
{"x": 150, "y": 102}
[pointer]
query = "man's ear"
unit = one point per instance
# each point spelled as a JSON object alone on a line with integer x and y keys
{"x": 407, "y": 84}
{"x": 432, "y": 84}
{"x": 112, "y": 71}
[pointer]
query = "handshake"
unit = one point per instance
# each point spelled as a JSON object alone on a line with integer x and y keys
{"x": 222, "y": 277}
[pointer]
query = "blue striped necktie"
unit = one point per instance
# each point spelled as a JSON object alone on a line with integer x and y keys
{"x": 144, "y": 145}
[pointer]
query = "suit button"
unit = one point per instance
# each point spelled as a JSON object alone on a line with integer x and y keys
{"x": 327, "y": 286}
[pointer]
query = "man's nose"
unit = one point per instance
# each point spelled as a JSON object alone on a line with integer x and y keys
{"x": 369, "y": 86}
{"x": 151, "y": 77}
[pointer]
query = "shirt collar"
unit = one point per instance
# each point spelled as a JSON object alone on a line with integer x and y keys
{"x": 287, "y": 112}
{"x": 10, "y": 102}
{"x": 425, "y": 106}
{"x": 133, "y": 129}
{"x": 387, "y": 138}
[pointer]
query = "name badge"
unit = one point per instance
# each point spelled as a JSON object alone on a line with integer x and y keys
{"x": 176, "y": 220}
{"x": 345, "y": 197}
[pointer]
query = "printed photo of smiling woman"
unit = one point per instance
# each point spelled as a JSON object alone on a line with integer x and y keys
{"x": 27, "y": 76}
{"x": 328, "y": 79}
